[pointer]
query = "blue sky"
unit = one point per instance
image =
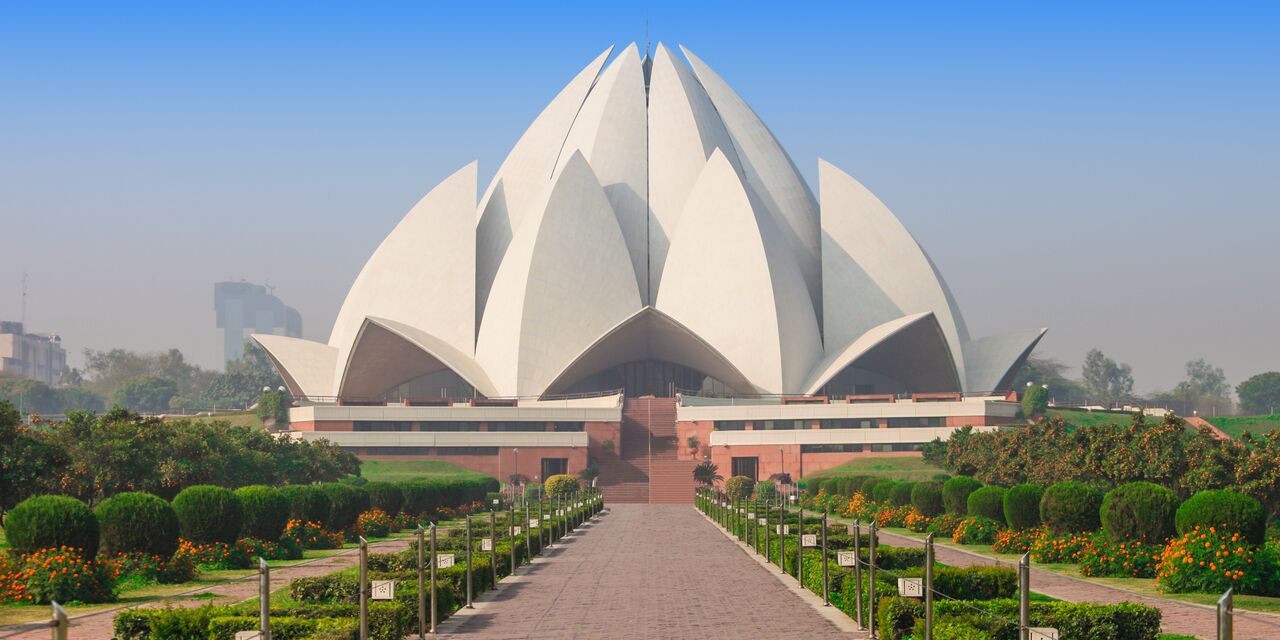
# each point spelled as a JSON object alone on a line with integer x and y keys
{"x": 1108, "y": 171}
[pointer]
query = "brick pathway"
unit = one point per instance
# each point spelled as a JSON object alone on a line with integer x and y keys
{"x": 1176, "y": 616}
{"x": 644, "y": 571}
{"x": 98, "y": 626}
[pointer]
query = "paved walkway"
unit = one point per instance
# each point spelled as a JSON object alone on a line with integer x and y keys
{"x": 644, "y": 571}
{"x": 1176, "y": 616}
{"x": 98, "y": 625}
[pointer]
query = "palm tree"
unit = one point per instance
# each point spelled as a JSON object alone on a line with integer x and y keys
{"x": 706, "y": 474}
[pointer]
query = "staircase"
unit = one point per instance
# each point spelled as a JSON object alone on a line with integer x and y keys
{"x": 648, "y": 471}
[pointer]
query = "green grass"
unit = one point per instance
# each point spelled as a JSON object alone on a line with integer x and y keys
{"x": 392, "y": 470}
{"x": 1234, "y": 426}
{"x": 1082, "y": 418}
{"x": 238, "y": 419}
{"x": 895, "y": 467}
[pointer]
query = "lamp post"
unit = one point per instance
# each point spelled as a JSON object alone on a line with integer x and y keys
{"x": 515, "y": 474}
{"x": 783, "y": 460}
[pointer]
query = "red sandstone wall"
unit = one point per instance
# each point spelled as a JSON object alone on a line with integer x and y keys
{"x": 700, "y": 429}
{"x": 598, "y": 432}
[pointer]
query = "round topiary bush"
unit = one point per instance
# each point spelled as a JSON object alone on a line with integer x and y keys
{"x": 1070, "y": 507}
{"x": 830, "y": 485}
{"x": 265, "y": 511}
{"x": 883, "y": 490}
{"x": 208, "y": 514}
{"x": 386, "y": 496}
{"x": 306, "y": 502}
{"x": 739, "y": 487}
{"x": 1022, "y": 506}
{"x": 346, "y": 503}
{"x": 1223, "y": 510}
{"x": 926, "y": 497}
{"x": 137, "y": 521}
{"x": 902, "y": 493}
{"x": 1140, "y": 512}
{"x": 987, "y": 502}
{"x": 43, "y": 522}
{"x": 561, "y": 484}
{"x": 868, "y": 485}
{"x": 955, "y": 494}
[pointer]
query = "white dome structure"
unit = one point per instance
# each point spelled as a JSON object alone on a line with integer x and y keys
{"x": 647, "y": 233}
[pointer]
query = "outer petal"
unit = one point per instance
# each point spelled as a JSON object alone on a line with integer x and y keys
{"x": 911, "y": 350}
{"x": 873, "y": 271}
{"x": 387, "y": 353}
{"x": 730, "y": 280}
{"x": 306, "y": 366}
{"x": 423, "y": 273}
{"x": 994, "y": 361}
{"x": 771, "y": 175}
{"x": 684, "y": 129}
{"x": 651, "y": 334}
{"x": 567, "y": 278}
{"x": 524, "y": 175}
{"x": 610, "y": 132}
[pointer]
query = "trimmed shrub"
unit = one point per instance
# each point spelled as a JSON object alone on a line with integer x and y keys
{"x": 898, "y": 618}
{"x": 265, "y": 511}
{"x": 386, "y": 496}
{"x": 1070, "y": 507}
{"x": 306, "y": 502}
{"x": 1224, "y": 510}
{"x": 987, "y": 502}
{"x": 868, "y": 485}
{"x": 1022, "y": 506}
{"x": 926, "y": 497}
{"x": 45, "y": 522}
{"x": 1139, "y": 512}
{"x": 208, "y": 514}
{"x": 955, "y": 494}
{"x": 346, "y": 503}
{"x": 739, "y": 487}
{"x": 902, "y": 493}
{"x": 561, "y": 484}
{"x": 137, "y": 522}
{"x": 883, "y": 491}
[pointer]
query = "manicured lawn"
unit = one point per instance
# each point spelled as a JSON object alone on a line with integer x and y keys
{"x": 1081, "y": 418}
{"x": 1234, "y": 426}
{"x": 238, "y": 419}
{"x": 409, "y": 469}
{"x": 896, "y": 467}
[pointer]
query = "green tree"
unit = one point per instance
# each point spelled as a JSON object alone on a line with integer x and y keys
{"x": 30, "y": 396}
{"x": 147, "y": 393}
{"x": 1042, "y": 370}
{"x": 1035, "y": 401}
{"x": 79, "y": 399}
{"x": 273, "y": 409}
{"x": 29, "y": 459}
{"x": 110, "y": 370}
{"x": 1105, "y": 380}
{"x": 1260, "y": 394}
{"x": 244, "y": 379}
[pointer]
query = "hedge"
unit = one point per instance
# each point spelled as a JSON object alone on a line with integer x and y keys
{"x": 306, "y": 502}
{"x": 428, "y": 495}
{"x": 897, "y": 618}
{"x": 265, "y": 512}
{"x": 1070, "y": 507}
{"x": 868, "y": 485}
{"x": 386, "y": 496}
{"x": 346, "y": 503}
{"x": 926, "y": 497}
{"x": 987, "y": 502}
{"x": 1139, "y": 512}
{"x": 387, "y": 621}
{"x": 902, "y": 493}
{"x": 562, "y": 484}
{"x": 739, "y": 487}
{"x": 883, "y": 491}
{"x": 208, "y": 514}
{"x": 1022, "y": 506}
{"x": 955, "y": 494}
{"x": 1234, "y": 512}
{"x": 137, "y": 521}
{"x": 42, "y": 522}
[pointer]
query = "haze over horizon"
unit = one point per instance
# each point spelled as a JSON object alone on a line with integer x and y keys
{"x": 1108, "y": 172}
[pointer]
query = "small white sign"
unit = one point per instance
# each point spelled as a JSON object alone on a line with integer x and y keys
{"x": 516, "y": 531}
{"x": 248, "y": 635}
{"x": 846, "y": 558}
{"x": 911, "y": 587}
{"x": 751, "y": 515}
{"x": 444, "y": 560}
{"x": 486, "y": 544}
{"x": 809, "y": 540}
{"x": 1043, "y": 633}
{"x": 764, "y": 521}
{"x": 783, "y": 529}
{"x": 533, "y": 523}
{"x": 546, "y": 516}
{"x": 383, "y": 589}
{"x": 560, "y": 512}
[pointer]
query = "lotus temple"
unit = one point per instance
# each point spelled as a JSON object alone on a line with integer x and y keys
{"x": 648, "y": 282}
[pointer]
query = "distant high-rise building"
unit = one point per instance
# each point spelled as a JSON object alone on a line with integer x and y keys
{"x": 241, "y": 306}
{"x": 31, "y": 355}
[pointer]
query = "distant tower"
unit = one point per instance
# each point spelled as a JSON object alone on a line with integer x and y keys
{"x": 244, "y": 305}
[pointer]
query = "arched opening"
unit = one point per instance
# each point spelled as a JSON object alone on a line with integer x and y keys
{"x": 651, "y": 377}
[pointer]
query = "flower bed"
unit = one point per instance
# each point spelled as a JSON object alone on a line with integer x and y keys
{"x": 61, "y": 574}
{"x": 975, "y": 530}
{"x": 1208, "y": 560}
{"x": 1101, "y": 557}
{"x": 1015, "y": 540}
{"x": 1059, "y": 549}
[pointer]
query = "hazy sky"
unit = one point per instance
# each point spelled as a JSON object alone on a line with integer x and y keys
{"x": 1109, "y": 172}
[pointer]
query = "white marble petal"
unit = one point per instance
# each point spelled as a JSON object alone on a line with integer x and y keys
{"x": 993, "y": 362}
{"x": 910, "y": 349}
{"x": 306, "y": 366}
{"x": 387, "y": 353}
